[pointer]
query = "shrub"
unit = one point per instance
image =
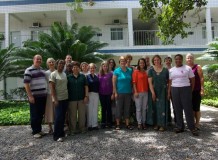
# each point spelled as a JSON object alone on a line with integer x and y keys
{"x": 14, "y": 113}
{"x": 210, "y": 101}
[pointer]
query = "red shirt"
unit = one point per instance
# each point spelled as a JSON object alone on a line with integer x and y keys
{"x": 140, "y": 79}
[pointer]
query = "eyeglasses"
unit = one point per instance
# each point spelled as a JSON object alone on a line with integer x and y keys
{"x": 111, "y": 62}
{"x": 51, "y": 62}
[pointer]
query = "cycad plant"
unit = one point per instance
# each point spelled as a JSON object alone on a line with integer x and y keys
{"x": 64, "y": 40}
{"x": 11, "y": 63}
{"x": 211, "y": 54}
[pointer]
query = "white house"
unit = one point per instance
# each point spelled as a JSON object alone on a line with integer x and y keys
{"x": 115, "y": 20}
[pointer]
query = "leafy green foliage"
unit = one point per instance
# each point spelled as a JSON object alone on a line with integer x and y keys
{"x": 64, "y": 40}
{"x": 76, "y": 5}
{"x": 210, "y": 101}
{"x": 213, "y": 49}
{"x": 11, "y": 62}
{"x": 210, "y": 88}
{"x": 17, "y": 113}
{"x": 14, "y": 113}
{"x": 169, "y": 15}
{"x": 211, "y": 91}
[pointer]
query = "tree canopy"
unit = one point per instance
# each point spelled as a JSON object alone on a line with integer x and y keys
{"x": 169, "y": 15}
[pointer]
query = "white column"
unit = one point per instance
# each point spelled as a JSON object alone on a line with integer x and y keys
{"x": 130, "y": 26}
{"x": 69, "y": 21}
{"x": 7, "y": 29}
{"x": 208, "y": 25}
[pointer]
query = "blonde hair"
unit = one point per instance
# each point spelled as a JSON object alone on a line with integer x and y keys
{"x": 48, "y": 60}
{"x": 122, "y": 58}
{"x": 101, "y": 71}
{"x": 92, "y": 65}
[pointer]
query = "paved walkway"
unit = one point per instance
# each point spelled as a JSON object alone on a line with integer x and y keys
{"x": 17, "y": 143}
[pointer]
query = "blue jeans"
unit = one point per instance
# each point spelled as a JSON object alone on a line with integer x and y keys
{"x": 106, "y": 110}
{"x": 37, "y": 110}
{"x": 60, "y": 112}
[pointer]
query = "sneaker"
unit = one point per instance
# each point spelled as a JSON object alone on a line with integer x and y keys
{"x": 42, "y": 133}
{"x": 37, "y": 135}
{"x": 60, "y": 140}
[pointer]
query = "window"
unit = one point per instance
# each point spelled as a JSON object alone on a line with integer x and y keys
{"x": 204, "y": 32}
{"x": 116, "y": 33}
{"x": 35, "y": 35}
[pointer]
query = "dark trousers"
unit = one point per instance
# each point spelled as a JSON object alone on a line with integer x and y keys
{"x": 60, "y": 112}
{"x": 106, "y": 110}
{"x": 182, "y": 100}
{"x": 37, "y": 111}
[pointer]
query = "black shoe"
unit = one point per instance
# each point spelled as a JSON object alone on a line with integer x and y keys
{"x": 103, "y": 126}
{"x": 95, "y": 128}
{"x": 177, "y": 130}
{"x": 90, "y": 128}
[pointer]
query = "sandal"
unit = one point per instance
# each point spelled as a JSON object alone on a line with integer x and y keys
{"x": 195, "y": 132}
{"x": 156, "y": 128}
{"x": 161, "y": 129}
{"x": 197, "y": 128}
{"x": 144, "y": 127}
{"x": 117, "y": 127}
{"x": 129, "y": 127}
{"x": 139, "y": 127}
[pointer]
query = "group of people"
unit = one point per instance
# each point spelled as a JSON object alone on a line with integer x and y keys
{"x": 69, "y": 93}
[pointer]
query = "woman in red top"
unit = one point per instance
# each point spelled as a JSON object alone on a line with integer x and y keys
{"x": 140, "y": 85}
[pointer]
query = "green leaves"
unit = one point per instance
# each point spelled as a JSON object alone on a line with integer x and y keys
{"x": 65, "y": 40}
{"x": 14, "y": 113}
{"x": 169, "y": 15}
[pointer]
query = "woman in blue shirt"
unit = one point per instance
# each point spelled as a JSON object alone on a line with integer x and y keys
{"x": 122, "y": 90}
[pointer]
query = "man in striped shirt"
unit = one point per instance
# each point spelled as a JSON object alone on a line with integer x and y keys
{"x": 35, "y": 85}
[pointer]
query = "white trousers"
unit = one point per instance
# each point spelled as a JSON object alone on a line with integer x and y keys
{"x": 141, "y": 106}
{"x": 93, "y": 109}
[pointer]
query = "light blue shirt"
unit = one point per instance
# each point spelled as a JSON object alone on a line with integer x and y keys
{"x": 124, "y": 80}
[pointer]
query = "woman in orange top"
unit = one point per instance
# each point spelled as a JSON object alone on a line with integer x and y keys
{"x": 140, "y": 85}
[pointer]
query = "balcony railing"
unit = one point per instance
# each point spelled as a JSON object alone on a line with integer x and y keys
{"x": 195, "y": 37}
{"x": 145, "y": 37}
{"x": 140, "y": 38}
